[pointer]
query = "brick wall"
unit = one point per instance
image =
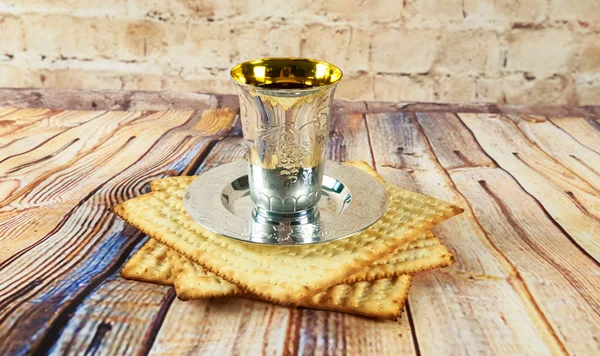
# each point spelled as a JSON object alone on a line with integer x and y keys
{"x": 515, "y": 51}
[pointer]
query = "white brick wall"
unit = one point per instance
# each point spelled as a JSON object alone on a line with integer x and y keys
{"x": 515, "y": 51}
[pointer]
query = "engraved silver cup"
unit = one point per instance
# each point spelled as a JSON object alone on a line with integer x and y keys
{"x": 285, "y": 108}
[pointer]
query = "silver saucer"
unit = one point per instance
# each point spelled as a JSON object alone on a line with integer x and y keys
{"x": 351, "y": 201}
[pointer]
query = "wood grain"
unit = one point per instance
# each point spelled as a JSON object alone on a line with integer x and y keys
{"x": 563, "y": 281}
{"x": 222, "y": 326}
{"x": 65, "y": 169}
{"x": 553, "y": 269}
{"x": 453, "y": 144}
{"x": 562, "y": 147}
{"x": 5, "y": 111}
{"x": 84, "y": 241}
{"x": 327, "y": 333}
{"x": 570, "y": 200}
{"x": 230, "y": 149}
{"x": 14, "y": 142}
{"x": 585, "y": 131}
{"x": 349, "y": 140}
{"x": 116, "y": 100}
{"x": 479, "y": 283}
{"x": 13, "y": 120}
{"x": 104, "y": 324}
{"x": 73, "y": 99}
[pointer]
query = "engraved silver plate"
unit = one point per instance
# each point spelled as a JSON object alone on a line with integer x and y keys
{"x": 351, "y": 201}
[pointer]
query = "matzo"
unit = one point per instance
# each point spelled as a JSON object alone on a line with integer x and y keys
{"x": 381, "y": 298}
{"x": 274, "y": 272}
{"x": 149, "y": 264}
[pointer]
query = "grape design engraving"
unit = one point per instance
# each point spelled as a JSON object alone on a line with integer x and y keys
{"x": 309, "y": 177}
{"x": 280, "y": 143}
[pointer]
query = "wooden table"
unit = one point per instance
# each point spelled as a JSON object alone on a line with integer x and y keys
{"x": 526, "y": 280}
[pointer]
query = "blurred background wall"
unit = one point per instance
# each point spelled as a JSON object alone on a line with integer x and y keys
{"x": 514, "y": 51}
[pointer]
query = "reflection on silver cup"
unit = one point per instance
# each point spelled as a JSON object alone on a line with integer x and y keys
{"x": 274, "y": 192}
{"x": 285, "y": 106}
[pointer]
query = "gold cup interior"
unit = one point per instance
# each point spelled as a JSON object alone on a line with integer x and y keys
{"x": 286, "y": 73}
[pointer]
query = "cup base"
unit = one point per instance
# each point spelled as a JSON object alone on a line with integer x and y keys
{"x": 308, "y": 216}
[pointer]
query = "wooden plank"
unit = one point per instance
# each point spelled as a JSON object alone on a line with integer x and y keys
{"x": 225, "y": 326}
{"x": 538, "y": 250}
{"x": 26, "y": 119}
{"x": 344, "y": 107}
{"x": 19, "y": 119}
{"x": 571, "y": 201}
{"x": 55, "y": 120}
{"x": 376, "y": 107}
{"x": 531, "y": 109}
{"x": 77, "y": 143}
{"x": 491, "y": 322}
{"x": 349, "y": 140}
{"x": 104, "y": 323}
{"x": 20, "y": 141}
{"x": 329, "y": 333}
{"x": 5, "y": 111}
{"x": 228, "y": 150}
{"x": 243, "y": 326}
{"x": 65, "y": 169}
{"x": 561, "y": 146}
{"x": 453, "y": 144}
{"x": 585, "y": 131}
{"x": 563, "y": 281}
{"x": 21, "y": 149}
{"x": 115, "y": 100}
{"x": 477, "y": 293}
{"x": 276, "y": 329}
{"x": 407, "y": 106}
{"x": 43, "y": 283}
{"x": 76, "y": 99}
{"x": 73, "y": 154}
{"x": 222, "y": 326}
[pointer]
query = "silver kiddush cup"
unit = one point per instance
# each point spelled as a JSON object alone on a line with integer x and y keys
{"x": 285, "y": 109}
